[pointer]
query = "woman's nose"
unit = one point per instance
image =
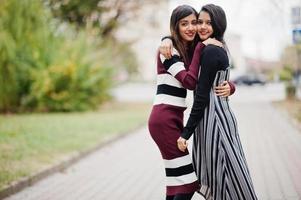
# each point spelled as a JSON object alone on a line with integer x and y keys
{"x": 191, "y": 27}
{"x": 203, "y": 25}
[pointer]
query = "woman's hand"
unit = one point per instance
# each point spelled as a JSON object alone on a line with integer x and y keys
{"x": 213, "y": 41}
{"x": 166, "y": 48}
{"x": 182, "y": 144}
{"x": 223, "y": 90}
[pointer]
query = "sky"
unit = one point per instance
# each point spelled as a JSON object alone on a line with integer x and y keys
{"x": 264, "y": 25}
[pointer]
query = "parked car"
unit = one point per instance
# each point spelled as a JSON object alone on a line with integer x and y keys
{"x": 250, "y": 79}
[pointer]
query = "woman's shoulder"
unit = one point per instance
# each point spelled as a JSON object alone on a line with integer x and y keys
{"x": 212, "y": 49}
{"x": 214, "y": 54}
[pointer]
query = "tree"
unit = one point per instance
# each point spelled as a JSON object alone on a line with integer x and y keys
{"x": 103, "y": 15}
{"x": 75, "y": 11}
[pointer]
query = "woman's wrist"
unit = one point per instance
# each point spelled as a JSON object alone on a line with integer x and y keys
{"x": 166, "y": 37}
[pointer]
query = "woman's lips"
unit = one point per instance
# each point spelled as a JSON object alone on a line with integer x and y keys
{"x": 190, "y": 34}
{"x": 203, "y": 33}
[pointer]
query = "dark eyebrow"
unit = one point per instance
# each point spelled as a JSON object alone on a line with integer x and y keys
{"x": 183, "y": 20}
{"x": 204, "y": 20}
{"x": 186, "y": 21}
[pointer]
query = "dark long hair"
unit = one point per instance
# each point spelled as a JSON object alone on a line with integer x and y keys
{"x": 218, "y": 20}
{"x": 179, "y": 13}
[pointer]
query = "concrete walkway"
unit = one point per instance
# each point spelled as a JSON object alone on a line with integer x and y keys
{"x": 131, "y": 168}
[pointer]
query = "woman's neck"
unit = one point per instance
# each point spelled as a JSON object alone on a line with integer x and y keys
{"x": 185, "y": 43}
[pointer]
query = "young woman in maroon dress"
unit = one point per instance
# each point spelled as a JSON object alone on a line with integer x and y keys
{"x": 175, "y": 76}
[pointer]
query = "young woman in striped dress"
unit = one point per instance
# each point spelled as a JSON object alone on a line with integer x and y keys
{"x": 166, "y": 119}
{"x": 218, "y": 156}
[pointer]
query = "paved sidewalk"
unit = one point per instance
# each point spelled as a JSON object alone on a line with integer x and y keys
{"x": 273, "y": 149}
{"x": 131, "y": 168}
{"x": 121, "y": 170}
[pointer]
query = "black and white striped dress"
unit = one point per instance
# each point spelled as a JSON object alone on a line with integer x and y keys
{"x": 217, "y": 152}
{"x": 218, "y": 157}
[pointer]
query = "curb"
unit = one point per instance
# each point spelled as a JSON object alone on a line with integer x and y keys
{"x": 24, "y": 182}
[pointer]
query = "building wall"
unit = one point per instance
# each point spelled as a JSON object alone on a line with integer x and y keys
{"x": 145, "y": 33}
{"x": 233, "y": 42}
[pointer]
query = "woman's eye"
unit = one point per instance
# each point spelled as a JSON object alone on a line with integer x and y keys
{"x": 184, "y": 24}
{"x": 194, "y": 23}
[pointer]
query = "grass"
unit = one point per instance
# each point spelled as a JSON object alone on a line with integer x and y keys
{"x": 293, "y": 107}
{"x": 30, "y": 142}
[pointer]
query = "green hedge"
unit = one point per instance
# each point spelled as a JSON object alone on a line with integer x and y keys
{"x": 46, "y": 66}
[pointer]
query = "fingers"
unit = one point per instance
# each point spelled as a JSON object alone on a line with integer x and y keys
{"x": 219, "y": 44}
{"x": 223, "y": 90}
{"x": 170, "y": 51}
{"x": 224, "y": 84}
{"x": 166, "y": 51}
{"x": 223, "y": 94}
{"x": 182, "y": 144}
{"x": 207, "y": 41}
{"x": 216, "y": 42}
{"x": 182, "y": 147}
{"x": 166, "y": 48}
{"x": 213, "y": 41}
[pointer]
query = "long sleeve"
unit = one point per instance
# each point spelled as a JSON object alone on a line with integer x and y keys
{"x": 232, "y": 87}
{"x": 209, "y": 66}
{"x": 175, "y": 66}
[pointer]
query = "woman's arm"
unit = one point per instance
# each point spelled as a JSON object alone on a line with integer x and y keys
{"x": 209, "y": 68}
{"x": 175, "y": 66}
{"x": 166, "y": 47}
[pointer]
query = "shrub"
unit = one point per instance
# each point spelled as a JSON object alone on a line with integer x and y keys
{"x": 47, "y": 67}
{"x": 78, "y": 80}
{"x": 290, "y": 90}
{"x": 286, "y": 74}
{"x": 27, "y": 43}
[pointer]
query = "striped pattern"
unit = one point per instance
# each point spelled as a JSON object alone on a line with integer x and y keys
{"x": 165, "y": 125}
{"x": 170, "y": 100}
{"x": 169, "y": 89}
{"x": 180, "y": 180}
{"x": 173, "y": 65}
{"x": 177, "y": 162}
{"x": 166, "y": 120}
{"x": 169, "y": 80}
{"x": 218, "y": 156}
{"x": 175, "y": 68}
{"x": 179, "y": 171}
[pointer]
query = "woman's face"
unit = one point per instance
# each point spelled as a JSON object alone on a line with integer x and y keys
{"x": 204, "y": 26}
{"x": 188, "y": 28}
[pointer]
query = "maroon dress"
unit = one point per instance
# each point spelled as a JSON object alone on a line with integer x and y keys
{"x": 166, "y": 119}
